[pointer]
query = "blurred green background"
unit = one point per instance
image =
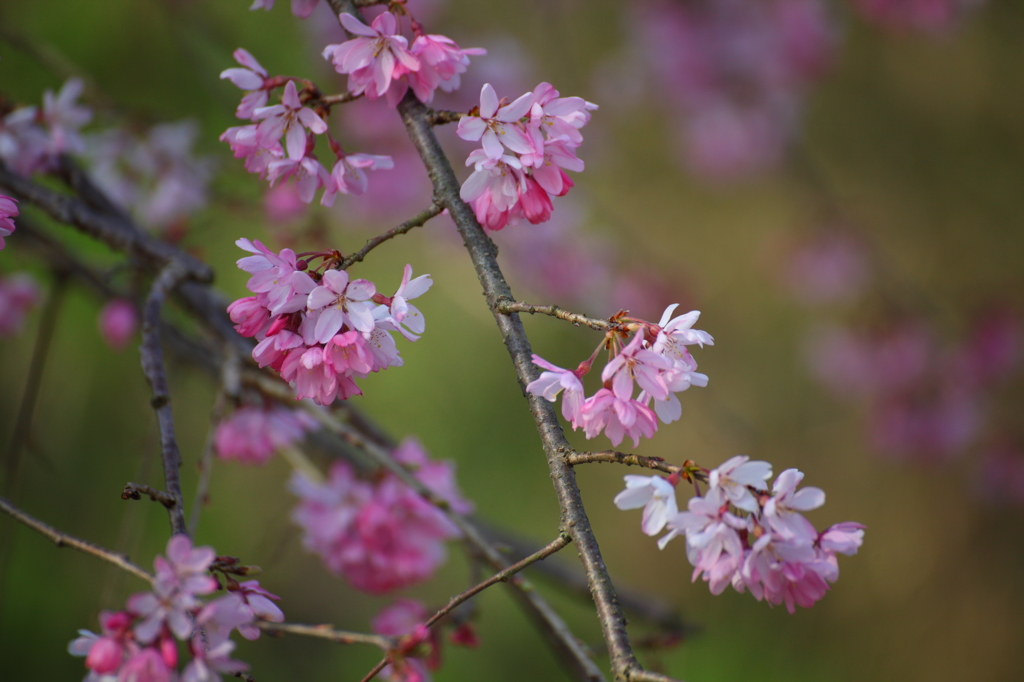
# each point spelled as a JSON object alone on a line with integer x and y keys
{"x": 917, "y": 140}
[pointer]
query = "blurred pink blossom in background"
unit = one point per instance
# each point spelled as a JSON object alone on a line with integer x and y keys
{"x": 118, "y": 322}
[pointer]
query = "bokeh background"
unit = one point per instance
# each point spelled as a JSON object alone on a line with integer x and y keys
{"x": 836, "y": 186}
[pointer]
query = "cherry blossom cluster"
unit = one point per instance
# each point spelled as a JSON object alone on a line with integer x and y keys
{"x": 380, "y": 535}
{"x": 740, "y": 533}
{"x": 655, "y": 359}
{"x": 8, "y": 211}
{"x": 926, "y": 400}
{"x": 260, "y": 143}
{"x": 732, "y": 75}
{"x": 155, "y": 176}
{"x": 322, "y": 330}
{"x": 251, "y": 435}
{"x": 19, "y": 293}
{"x": 31, "y": 138}
{"x": 527, "y": 145}
{"x": 381, "y": 63}
{"x": 139, "y": 643}
{"x": 419, "y": 647}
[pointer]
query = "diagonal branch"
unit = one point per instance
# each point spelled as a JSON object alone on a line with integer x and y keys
{"x": 64, "y": 540}
{"x": 483, "y": 254}
{"x": 153, "y": 368}
{"x": 501, "y": 576}
{"x": 417, "y": 220}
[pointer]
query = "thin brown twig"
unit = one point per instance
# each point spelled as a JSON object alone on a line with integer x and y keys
{"x": 331, "y": 100}
{"x": 501, "y": 576}
{"x": 153, "y": 368}
{"x": 135, "y": 491}
{"x": 507, "y": 307}
{"x": 612, "y": 456}
{"x": 375, "y": 670}
{"x": 544, "y": 617}
{"x": 439, "y": 117}
{"x": 417, "y": 220}
{"x": 328, "y": 632}
{"x": 64, "y": 540}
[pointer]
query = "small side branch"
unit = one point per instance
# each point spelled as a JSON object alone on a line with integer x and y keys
{"x": 331, "y": 100}
{"x": 23, "y": 425}
{"x": 502, "y": 576}
{"x": 612, "y": 456}
{"x": 153, "y": 368}
{"x": 418, "y": 220}
{"x": 135, "y": 491}
{"x": 440, "y": 117}
{"x": 64, "y": 540}
{"x": 329, "y": 633}
{"x": 508, "y": 307}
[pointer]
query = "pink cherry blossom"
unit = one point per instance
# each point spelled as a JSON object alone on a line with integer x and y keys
{"x": 210, "y": 658}
{"x": 349, "y": 174}
{"x": 24, "y": 145}
{"x": 180, "y": 577}
{"x": 307, "y": 172}
{"x": 640, "y": 364}
{"x": 551, "y": 382}
{"x": 734, "y": 476}
{"x": 400, "y": 617}
{"x": 781, "y": 511}
{"x": 245, "y": 144}
{"x": 147, "y": 665}
{"x": 829, "y": 267}
{"x": 252, "y": 435}
{"x": 376, "y": 58}
{"x": 617, "y": 417}
{"x": 441, "y": 63}
{"x": 275, "y": 275}
{"x": 655, "y": 494}
{"x": 251, "y": 77}
{"x": 118, "y": 322}
{"x": 341, "y": 302}
{"x": 498, "y": 128}
{"x": 290, "y": 119}
{"x": 8, "y": 211}
{"x": 405, "y": 317}
{"x": 19, "y": 293}
{"x": 262, "y": 604}
{"x": 405, "y": 618}
{"x": 105, "y": 654}
{"x": 63, "y": 117}
{"x": 713, "y": 543}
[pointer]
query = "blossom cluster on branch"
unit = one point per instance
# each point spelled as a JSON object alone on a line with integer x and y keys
{"x": 321, "y": 330}
{"x": 528, "y": 144}
{"x": 380, "y": 535}
{"x": 656, "y": 358}
{"x": 740, "y": 534}
{"x": 138, "y": 644}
